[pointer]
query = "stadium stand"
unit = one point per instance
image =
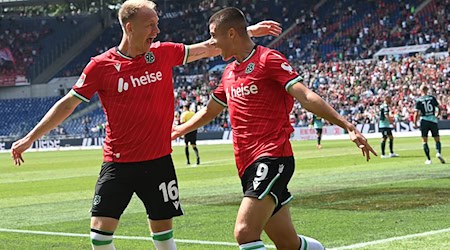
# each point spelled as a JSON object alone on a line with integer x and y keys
{"x": 331, "y": 43}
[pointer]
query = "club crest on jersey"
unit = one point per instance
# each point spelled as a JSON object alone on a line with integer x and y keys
{"x": 287, "y": 67}
{"x": 149, "y": 57}
{"x": 250, "y": 68}
{"x": 97, "y": 200}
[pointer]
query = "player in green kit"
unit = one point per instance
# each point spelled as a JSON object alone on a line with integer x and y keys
{"x": 317, "y": 122}
{"x": 386, "y": 125}
{"x": 426, "y": 107}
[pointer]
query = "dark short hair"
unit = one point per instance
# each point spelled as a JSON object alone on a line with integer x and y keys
{"x": 230, "y": 17}
{"x": 424, "y": 88}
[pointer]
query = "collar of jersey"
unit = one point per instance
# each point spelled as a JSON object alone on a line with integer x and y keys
{"x": 249, "y": 55}
{"x": 122, "y": 54}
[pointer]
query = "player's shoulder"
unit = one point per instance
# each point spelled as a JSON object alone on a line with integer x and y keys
{"x": 110, "y": 53}
{"x": 270, "y": 54}
{"x": 104, "y": 57}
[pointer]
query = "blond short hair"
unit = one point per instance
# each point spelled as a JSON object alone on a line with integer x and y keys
{"x": 130, "y": 7}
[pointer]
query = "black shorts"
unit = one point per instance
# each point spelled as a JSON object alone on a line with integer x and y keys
{"x": 269, "y": 175}
{"x": 318, "y": 130}
{"x": 154, "y": 182}
{"x": 385, "y": 132}
{"x": 191, "y": 137}
{"x": 426, "y": 126}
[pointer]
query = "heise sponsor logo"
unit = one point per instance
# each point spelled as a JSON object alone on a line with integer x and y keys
{"x": 241, "y": 90}
{"x": 139, "y": 81}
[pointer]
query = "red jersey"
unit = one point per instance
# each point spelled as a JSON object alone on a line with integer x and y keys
{"x": 255, "y": 92}
{"x": 137, "y": 98}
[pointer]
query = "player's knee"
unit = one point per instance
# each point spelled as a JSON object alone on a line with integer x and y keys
{"x": 243, "y": 233}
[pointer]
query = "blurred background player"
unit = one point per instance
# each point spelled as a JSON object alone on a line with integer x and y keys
{"x": 386, "y": 125}
{"x": 190, "y": 137}
{"x": 317, "y": 123}
{"x": 426, "y": 107}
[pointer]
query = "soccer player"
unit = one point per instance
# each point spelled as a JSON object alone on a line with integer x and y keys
{"x": 425, "y": 111}
{"x": 134, "y": 83}
{"x": 386, "y": 125}
{"x": 190, "y": 137}
{"x": 317, "y": 122}
{"x": 259, "y": 88}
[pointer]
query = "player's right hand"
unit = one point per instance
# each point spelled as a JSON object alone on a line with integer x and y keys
{"x": 18, "y": 148}
{"x": 175, "y": 133}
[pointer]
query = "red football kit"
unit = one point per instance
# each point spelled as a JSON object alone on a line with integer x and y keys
{"x": 255, "y": 92}
{"x": 137, "y": 98}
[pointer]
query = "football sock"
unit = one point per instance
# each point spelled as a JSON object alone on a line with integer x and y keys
{"x": 438, "y": 147}
{"x": 427, "y": 150}
{"x": 102, "y": 240}
{"x": 196, "y": 152}
{"x": 308, "y": 243}
{"x": 318, "y": 140}
{"x": 186, "y": 152}
{"x": 383, "y": 147}
{"x": 164, "y": 240}
{"x": 254, "y": 245}
{"x": 391, "y": 146}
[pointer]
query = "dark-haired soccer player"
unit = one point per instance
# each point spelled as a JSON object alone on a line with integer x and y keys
{"x": 134, "y": 83}
{"x": 259, "y": 88}
{"x": 425, "y": 111}
{"x": 386, "y": 126}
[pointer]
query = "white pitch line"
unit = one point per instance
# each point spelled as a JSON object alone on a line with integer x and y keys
{"x": 200, "y": 242}
{"x": 376, "y": 242}
{"x": 218, "y": 243}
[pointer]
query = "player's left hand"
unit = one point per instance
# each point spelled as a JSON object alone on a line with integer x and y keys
{"x": 361, "y": 142}
{"x": 265, "y": 28}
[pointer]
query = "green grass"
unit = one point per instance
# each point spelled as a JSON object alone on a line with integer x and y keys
{"x": 339, "y": 198}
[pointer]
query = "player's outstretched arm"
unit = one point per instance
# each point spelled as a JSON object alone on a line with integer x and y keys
{"x": 58, "y": 113}
{"x": 202, "y": 117}
{"x": 314, "y": 103}
{"x": 204, "y": 49}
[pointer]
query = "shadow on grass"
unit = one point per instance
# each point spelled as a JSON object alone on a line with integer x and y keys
{"x": 382, "y": 199}
{"x": 374, "y": 199}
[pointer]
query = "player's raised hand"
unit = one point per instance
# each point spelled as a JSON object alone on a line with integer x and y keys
{"x": 265, "y": 28}
{"x": 18, "y": 148}
{"x": 361, "y": 142}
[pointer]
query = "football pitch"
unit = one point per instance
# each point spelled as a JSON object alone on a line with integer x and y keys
{"x": 341, "y": 200}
